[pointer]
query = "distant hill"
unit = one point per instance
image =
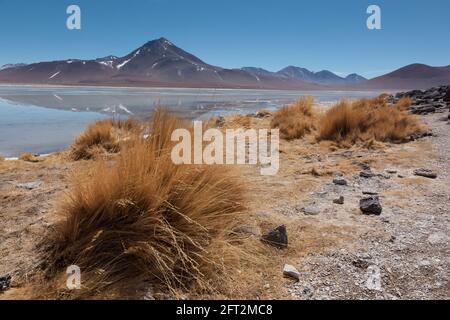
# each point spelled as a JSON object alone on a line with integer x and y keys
{"x": 323, "y": 77}
{"x": 414, "y": 76}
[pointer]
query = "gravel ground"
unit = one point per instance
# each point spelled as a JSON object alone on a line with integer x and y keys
{"x": 406, "y": 252}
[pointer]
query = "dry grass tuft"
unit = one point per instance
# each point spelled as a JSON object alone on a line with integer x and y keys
{"x": 103, "y": 136}
{"x": 263, "y": 114}
{"x": 367, "y": 121}
{"x": 144, "y": 220}
{"x": 238, "y": 121}
{"x": 296, "y": 120}
{"x": 28, "y": 157}
{"x": 2, "y": 158}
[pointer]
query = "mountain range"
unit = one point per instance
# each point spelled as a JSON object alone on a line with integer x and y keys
{"x": 161, "y": 63}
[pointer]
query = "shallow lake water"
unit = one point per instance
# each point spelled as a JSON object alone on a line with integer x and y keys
{"x": 46, "y": 119}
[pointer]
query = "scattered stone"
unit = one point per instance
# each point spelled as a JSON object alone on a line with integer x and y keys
{"x": 277, "y": 237}
{"x": 370, "y": 205}
{"x": 340, "y": 181}
{"x": 438, "y": 238}
{"x": 311, "y": 211}
{"x": 361, "y": 263}
{"x": 364, "y": 166}
{"x": 447, "y": 95}
{"x": 427, "y": 173}
{"x": 5, "y": 282}
{"x": 29, "y": 185}
{"x": 420, "y": 135}
{"x": 291, "y": 271}
{"x": 263, "y": 114}
{"x": 384, "y": 176}
{"x": 367, "y": 174}
{"x": 338, "y": 174}
{"x": 220, "y": 121}
{"x": 340, "y": 200}
{"x": 370, "y": 192}
{"x": 424, "y": 102}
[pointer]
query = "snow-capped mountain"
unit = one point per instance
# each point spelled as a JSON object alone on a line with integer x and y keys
{"x": 160, "y": 63}
{"x": 12, "y": 65}
{"x": 156, "y": 63}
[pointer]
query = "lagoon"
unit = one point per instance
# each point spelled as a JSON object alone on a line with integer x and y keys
{"x": 47, "y": 119}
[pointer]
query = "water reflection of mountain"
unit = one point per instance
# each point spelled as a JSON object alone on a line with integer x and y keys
{"x": 186, "y": 103}
{"x": 126, "y": 105}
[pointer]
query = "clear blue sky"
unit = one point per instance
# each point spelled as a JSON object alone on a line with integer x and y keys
{"x": 317, "y": 34}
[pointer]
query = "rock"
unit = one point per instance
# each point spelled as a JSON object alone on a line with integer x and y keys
{"x": 311, "y": 211}
{"x": 29, "y": 185}
{"x": 391, "y": 171}
{"x": 340, "y": 181}
{"x": 370, "y": 205}
{"x": 362, "y": 165}
{"x": 432, "y": 95}
{"x": 291, "y": 271}
{"x": 220, "y": 121}
{"x": 420, "y": 135}
{"x": 370, "y": 192}
{"x": 423, "y": 109}
{"x": 340, "y": 200}
{"x": 277, "y": 237}
{"x": 447, "y": 95}
{"x": 367, "y": 174}
{"x": 263, "y": 114}
{"x": 361, "y": 263}
{"x": 5, "y": 282}
{"x": 427, "y": 173}
{"x": 438, "y": 238}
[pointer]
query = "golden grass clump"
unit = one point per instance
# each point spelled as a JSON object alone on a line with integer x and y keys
{"x": 239, "y": 121}
{"x": 144, "y": 219}
{"x": 103, "y": 136}
{"x": 28, "y": 157}
{"x": 2, "y": 158}
{"x": 296, "y": 120}
{"x": 367, "y": 120}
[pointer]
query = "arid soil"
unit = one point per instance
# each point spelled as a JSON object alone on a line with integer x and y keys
{"x": 340, "y": 253}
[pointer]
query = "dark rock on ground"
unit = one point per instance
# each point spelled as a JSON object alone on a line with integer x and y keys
{"x": 361, "y": 263}
{"x": 420, "y": 135}
{"x": 370, "y": 205}
{"x": 277, "y": 237}
{"x": 427, "y": 173}
{"x": 363, "y": 166}
{"x": 447, "y": 95}
{"x": 5, "y": 282}
{"x": 220, "y": 121}
{"x": 424, "y": 102}
{"x": 367, "y": 174}
{"x": 340, "y": 200}
{"x": 340, "y": 181}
